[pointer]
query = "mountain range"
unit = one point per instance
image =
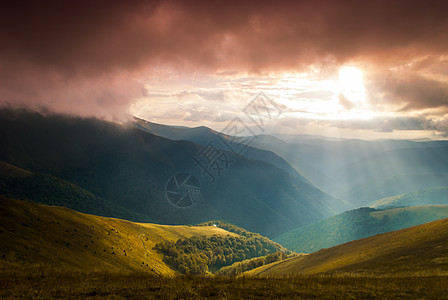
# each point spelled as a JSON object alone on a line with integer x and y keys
{"x": 356, "y": 171}
{"x": 360, "y": 171}
{"x": 131, "y": 168}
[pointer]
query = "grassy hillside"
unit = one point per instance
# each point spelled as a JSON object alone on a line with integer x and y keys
{"x": 144, "y": 286}
{"x": 53, "y": 252}
{"x": 131, "y": 168}
{"x": 7, "y": 171}
{"x": 437, "y": 195}
{"x": 417, "y": 250}
{"x": 51, "y": 236}
{"x": 17, "y": 183}
{"x": 36, "y": 236}
{"x": 202, "y": 255}
{"x": 240, "y": 267}
{"x": 357, "y": 224}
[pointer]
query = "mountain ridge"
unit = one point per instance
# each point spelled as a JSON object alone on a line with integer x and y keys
{"x": 131, "y": 168}
{"x": 431, "y": 196}
{"x": 357, "y": 224}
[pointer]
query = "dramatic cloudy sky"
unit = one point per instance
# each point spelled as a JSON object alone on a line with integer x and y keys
{"x": 369, "y": 69}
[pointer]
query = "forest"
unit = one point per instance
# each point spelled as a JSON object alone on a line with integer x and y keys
{"x": 203, "y": 255}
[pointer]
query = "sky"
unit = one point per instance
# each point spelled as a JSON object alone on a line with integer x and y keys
{"x": 351, "y": 69}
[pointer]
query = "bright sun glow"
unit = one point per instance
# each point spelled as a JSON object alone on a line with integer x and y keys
{"x": 343, "y": 97}
{"x": 351, "y": 84}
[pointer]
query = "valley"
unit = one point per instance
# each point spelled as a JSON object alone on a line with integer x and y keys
{"x": 94, "y": 256}
{"x": 130, "y": 168}
{"x": 87, "y": 203}
{"x": 257, "y": 149}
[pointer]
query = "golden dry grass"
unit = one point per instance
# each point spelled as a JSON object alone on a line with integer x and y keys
{"x": 33, "y": 234}
{"x": 8, "y": 170}
{"x": 421, "y": 249}
{"x": 52, "y": 252}
{"x": 80, "y": 285}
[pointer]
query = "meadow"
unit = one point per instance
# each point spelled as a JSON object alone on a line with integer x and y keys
{"x": 47, "y": 284}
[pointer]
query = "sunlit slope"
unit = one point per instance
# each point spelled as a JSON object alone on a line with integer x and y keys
{"x": 421, "y": 250}
{"x": 357, "y": 224}
{"x": 437, "y": 195}
{"x": 33, "y": 234}
{"x": 8, "y": 170}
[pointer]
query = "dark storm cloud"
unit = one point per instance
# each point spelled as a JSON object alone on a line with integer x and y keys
{"x": 419, "y": 85}
{"x": 101, "y": 35}
{"x": 74, "y": 45}
{"x": 420, "y": 92}
{"x": 72, "y": 36}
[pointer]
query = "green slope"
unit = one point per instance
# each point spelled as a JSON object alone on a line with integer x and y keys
{"x": 417, "y": 251}
{"x": 46, "y": 189}
{"x": 437, "y": 195}
{"x": 357, "y": 224}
